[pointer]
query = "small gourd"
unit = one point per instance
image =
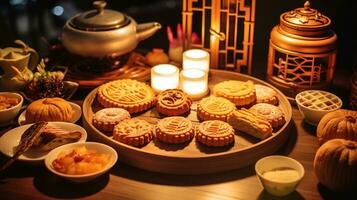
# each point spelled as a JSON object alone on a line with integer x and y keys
{"x": 335, "y": 164}
{"x": 338, "y": 124}
{"x": 156, "y": 57}
{"x": 49, "y": 109}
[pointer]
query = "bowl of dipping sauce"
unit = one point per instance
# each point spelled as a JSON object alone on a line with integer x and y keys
{"x": 279, "y": 175}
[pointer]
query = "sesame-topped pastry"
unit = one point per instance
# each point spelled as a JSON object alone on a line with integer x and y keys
{"x": 251, "y": 123}
{"x": 133, "y": 132}
{"x": 266, "y": 94}
{"x": 131, "y": 95}
{"x": 239, "y": 92}
{"x": 173, "y": 102}
{"x": 175, "y": 130}
{"x": 215, "y": 133}
{"x": 211, "y": 108}
{"x": 273, "y": 114}
{"x": 107, "y": 118}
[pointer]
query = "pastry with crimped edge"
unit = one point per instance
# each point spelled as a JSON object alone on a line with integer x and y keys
{"x": 273, "y": 114}
{"x": 175, "y": 130}
{"x": 105, "y": 119}
{"x": 251, "y": 123}
{"x": 131, "y": 95}
{"x": 266, "y": 94}
{"x": 214, "y": 108}
{"x": 215, "y": 133}
{"x": 133, "y": 132}
{"x": 173, "y": 102}
{"x": 240, "y": 93}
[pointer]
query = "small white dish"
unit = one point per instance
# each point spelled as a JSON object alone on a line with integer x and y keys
{"x": 98, "y": 147}
{"x": 7, "y": 115}
{"x": 272, "y": 164}
{"x": 314, "y": 104}
{"x": 10, "y": 140}
{"x": 76, "y": 115}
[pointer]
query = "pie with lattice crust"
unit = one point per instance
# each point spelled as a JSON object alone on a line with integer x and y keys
{"x": 318, "y": 100}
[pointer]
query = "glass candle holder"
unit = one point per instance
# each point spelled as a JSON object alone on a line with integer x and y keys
{"x": 164, "y": 76}
{"x": 194, "y": 82}
{"x": 196, "y": 59}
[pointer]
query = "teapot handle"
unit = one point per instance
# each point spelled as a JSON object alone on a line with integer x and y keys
{"x": 34, "y": 57}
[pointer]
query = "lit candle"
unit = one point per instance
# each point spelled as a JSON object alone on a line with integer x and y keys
{"x": 196, "y": 59}
{"x": 194, "y": 83}
{"x": 164, "y": 76}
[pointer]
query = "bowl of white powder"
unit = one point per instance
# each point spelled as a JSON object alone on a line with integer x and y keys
{"x": 279, "y": 175}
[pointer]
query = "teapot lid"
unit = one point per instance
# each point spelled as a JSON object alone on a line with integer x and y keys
{"x": 99, "y": 19}
{"x": 305, "y": 21}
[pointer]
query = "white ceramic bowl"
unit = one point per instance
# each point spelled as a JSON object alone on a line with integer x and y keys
{"x": 313, "y": 115}
{"x": 274, "y": 187}
{"x": 7, "y": 115}
{"x": 98, "y": 147}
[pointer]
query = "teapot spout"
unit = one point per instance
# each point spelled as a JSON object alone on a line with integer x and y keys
{"x": 146, "y": 30}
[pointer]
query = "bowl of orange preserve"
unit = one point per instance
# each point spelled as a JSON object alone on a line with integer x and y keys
{"x": 81, "y": 162}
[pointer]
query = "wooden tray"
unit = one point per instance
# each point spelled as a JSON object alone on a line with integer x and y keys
{"x": 192, "y": 158}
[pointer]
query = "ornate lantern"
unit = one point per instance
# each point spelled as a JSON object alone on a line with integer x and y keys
{"x": 302, "y": 51}
{"x": 226, "y": 28}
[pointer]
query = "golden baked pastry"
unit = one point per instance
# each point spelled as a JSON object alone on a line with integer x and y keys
{"x": 266, "y": 94}
{"x": 175, "y": 130}
{"x": 215, "y": 133}
{"x": 173, "y": 102}
{"x": 131, "y": 95}
{"x": 107, "y": 118}
{"x": 273, "y": 114}
{"x": 251, "y": 123}
{"x": 49, "y": 109}
{"x": 239, "y": 92}
{"x": 212, "y": 107}
{"x": 134, "y": 132}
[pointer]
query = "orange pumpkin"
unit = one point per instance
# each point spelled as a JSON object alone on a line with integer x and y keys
{"x": 338, "y": 124}
{"x": 49, "y": 109}
{"x": 335, "y": 164}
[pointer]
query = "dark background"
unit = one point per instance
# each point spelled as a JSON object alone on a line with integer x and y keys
{"x": 34, "y": 22}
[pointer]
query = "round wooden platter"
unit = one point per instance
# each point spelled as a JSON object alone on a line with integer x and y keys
{"x": 192, "y": 157}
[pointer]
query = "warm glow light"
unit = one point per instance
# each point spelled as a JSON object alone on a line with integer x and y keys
{"x": 194, "y": 83}
{"x": 164, "y": 76}
{"x": 196, "y": 59}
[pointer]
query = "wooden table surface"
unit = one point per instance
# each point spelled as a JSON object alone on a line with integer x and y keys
{"x": 26, "y": 181}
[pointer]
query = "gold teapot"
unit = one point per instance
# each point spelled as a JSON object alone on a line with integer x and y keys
{"x": 103, "y": 32}
{"x": 16, "y": 65}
